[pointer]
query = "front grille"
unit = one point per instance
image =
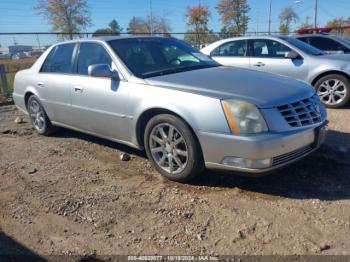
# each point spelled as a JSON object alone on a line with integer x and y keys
{"x": 285, "y": 158}
{"x": 305, "y": 112}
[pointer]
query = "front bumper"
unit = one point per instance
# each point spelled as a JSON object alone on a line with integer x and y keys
{"x": 281, "y": 148}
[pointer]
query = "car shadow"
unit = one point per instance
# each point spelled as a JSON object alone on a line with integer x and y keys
{"x": 67, "y": 133}
{"x": 11, "y": 250}
{"x": 324, "y": 175}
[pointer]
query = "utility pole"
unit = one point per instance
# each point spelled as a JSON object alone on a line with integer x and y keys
{"x": 315, "y": 14}
{"x": 270, "y": 10}
{"x": 151, "y": 17}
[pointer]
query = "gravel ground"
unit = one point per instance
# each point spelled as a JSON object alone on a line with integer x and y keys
{"x": 71, "y": 194}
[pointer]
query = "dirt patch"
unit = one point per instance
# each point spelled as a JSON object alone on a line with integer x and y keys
{"x": 71, "y": 194}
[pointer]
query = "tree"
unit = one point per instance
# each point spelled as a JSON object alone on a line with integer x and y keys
{"x": 149, "y": 25}
{"x": 137, "y": 25}
{"x": 339, "y": 22}
{"x": 66, "y": 16}
{"x": 113, "y": 29}
{"x": 286, "y": 17}
{"x": 234, "y": 15}
{"x": 197, "y": 21}
{"x": 306, "y": 24}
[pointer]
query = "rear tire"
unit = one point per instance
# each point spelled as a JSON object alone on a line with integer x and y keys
{"x": 38, "y": 117}
{"x": 172, "y": 148}
{"x": 333, "y": 90}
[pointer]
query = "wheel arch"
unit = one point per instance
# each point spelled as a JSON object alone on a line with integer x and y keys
{"x": 151, "y": 112}
{"x": 331, "y": 72}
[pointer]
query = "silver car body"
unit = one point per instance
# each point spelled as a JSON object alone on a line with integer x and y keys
{"x": 115, "y": 109}
{"x": 308, "y": 68}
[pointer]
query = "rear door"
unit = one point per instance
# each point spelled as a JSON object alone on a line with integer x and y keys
{"x": 269, "y": 56}
{"x": 99, "y": 104}
{"x": 53, "y": 82}
{"x": 233, "y": 53}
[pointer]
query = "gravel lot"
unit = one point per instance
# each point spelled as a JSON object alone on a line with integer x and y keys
{"x": 71, "y": 194}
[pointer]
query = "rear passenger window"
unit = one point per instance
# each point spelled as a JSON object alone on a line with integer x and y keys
{"x": 59, "y": 60}
{"x": 234, "y": 48}
{"x": 92, "y": 54}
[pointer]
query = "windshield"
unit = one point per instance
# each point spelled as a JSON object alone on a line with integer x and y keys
{"x": 306, "y": 48}
{"x": 152, "y": 56}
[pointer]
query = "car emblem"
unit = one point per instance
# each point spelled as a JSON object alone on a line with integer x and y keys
{"x": 316, "y": 108}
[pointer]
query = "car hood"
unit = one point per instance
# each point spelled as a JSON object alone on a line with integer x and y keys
{"x": 262, "y": 89}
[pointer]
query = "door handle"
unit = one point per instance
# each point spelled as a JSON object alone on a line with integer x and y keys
{"x": 78, "y": 89}
{"x": 258, "y": 64}
{"x": 40, "y": 84}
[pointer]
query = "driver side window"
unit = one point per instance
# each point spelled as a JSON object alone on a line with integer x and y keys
{"x": 91, "y": 54}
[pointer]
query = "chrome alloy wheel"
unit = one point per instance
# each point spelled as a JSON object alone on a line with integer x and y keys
{"x": 332, "y": 91}
{"x": 168, "y": 148}
{"x": 37, "y": 115}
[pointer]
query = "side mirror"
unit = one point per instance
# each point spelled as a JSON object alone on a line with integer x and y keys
{"x": 103, "y": 70}
{"x": 292, "y": 55}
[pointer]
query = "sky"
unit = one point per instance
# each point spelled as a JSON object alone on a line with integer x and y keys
{"x": 19, "y": 15}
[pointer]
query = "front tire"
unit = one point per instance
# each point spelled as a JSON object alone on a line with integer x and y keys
{"x": 38, "y": 117}
{"x": 172, "y": 148}
{"x": 333, "y": 90}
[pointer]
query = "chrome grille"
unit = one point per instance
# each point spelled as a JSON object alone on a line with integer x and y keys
{"x": 305, "y": 112}
{"x": 285, "y": 158}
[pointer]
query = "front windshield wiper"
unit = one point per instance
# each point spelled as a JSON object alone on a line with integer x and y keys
{"x": 177, "y": 70}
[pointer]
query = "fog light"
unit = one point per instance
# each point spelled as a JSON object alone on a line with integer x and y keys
{"x": 247, "y": 163}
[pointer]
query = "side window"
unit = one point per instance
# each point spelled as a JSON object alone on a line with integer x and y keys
{"x": 326, "y": 44}
{"x": 59, "y": 60}
{"x": 234, "y": 48}
{"x": 269, "y": 49}
{"x": 91, "y": 54}
{"x": 304, "y": 39}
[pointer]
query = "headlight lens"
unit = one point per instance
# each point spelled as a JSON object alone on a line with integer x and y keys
{"x": 243, "y": 117}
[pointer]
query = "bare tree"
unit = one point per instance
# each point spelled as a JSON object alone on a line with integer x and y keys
{"x": 339, "y": 22}
{"x": 66, "y": 16}
{"x": 287, "y": 16}
{"x": 149, "y": 25}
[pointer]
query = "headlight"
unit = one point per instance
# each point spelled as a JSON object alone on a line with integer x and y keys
{"x": 243, "y": 117}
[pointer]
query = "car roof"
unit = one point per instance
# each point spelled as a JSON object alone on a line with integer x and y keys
{"x": 272, "y": 37}
{"x": 109, "y": 38}
{"x": 315, "y": 35}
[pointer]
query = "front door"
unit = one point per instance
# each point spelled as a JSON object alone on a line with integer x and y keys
{"x": 269, "y": 56}
{"x": 99, "y": 105}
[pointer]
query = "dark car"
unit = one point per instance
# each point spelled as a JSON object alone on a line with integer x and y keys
{"x": 327, "y": 43}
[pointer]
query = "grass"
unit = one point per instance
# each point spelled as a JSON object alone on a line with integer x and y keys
{"x": 12, "y": 67}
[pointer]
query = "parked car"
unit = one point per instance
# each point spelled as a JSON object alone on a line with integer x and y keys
{"x": 185, "y": 109}
{"x": 327, "y": 43}
{"x": 283, "y": 55}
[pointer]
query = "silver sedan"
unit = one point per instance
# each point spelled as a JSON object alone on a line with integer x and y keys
{"x": 287, "y": 56}
{"x": 187, "y": 111}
